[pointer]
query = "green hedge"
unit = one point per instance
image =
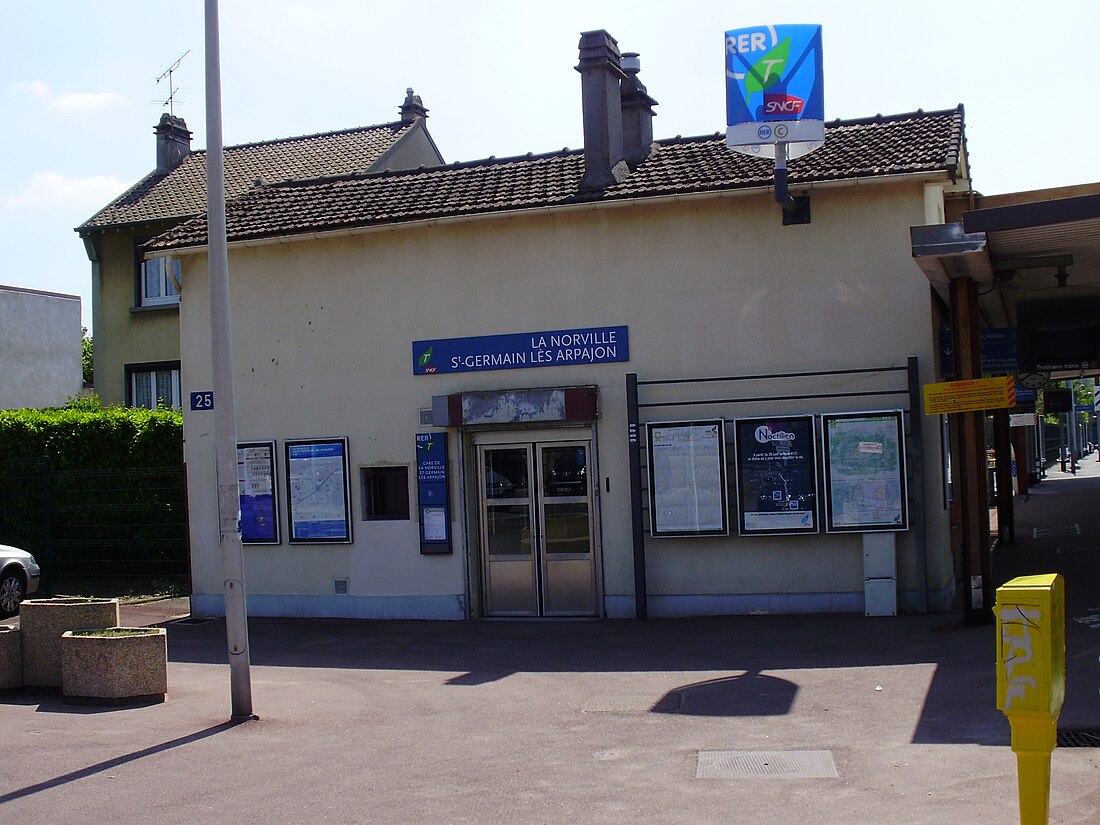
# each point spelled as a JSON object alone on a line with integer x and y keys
{"x": 89, "y": 437}
{"x": 94, "y": 488}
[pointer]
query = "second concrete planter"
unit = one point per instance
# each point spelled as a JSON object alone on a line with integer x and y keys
{"x": 115, "y": 665}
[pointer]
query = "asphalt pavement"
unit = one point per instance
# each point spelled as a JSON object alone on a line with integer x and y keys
{"x": 755, "y": 719}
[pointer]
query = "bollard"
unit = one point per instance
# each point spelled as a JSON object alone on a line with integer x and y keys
{"x": 1031, "y": 681}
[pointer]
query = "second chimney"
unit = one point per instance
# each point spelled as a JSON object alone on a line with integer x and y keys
{"x": 173, "y": 142}
{"x": 601, "y": 73}
{"x": 637, "y": 113}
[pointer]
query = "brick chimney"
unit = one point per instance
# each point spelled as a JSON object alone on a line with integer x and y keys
{"x": 638, "y": 113}
{"x": 413, "y": 107}
{"x": 601, "y": 73}
{"x": 173, "y": 142}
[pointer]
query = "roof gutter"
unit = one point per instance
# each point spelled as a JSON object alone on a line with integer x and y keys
{"x": 587, "y": 206}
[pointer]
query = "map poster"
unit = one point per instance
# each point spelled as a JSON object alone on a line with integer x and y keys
{"x": 777, "y": 475}
{"x": 687, "y": 478}
{"x": 256, "y": 485}
{"x": 864, "y": 459}
{"x": 317, "y": 491}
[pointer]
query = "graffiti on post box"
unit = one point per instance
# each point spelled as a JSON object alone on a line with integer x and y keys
{"x": 1017, "y": 653}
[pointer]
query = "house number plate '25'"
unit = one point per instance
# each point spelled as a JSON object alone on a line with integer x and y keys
{"x": 202, "y": 400}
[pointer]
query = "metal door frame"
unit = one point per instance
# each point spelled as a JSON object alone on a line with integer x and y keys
{"x": 535, "y": 440}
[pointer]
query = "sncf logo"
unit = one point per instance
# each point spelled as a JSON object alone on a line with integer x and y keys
{"x": 782, "y": 104}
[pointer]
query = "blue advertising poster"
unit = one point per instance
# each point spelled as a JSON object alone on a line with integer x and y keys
{"x": 555, "y": 348}
{"x": 256, "y": 484}
{"x": 775, "y": 89}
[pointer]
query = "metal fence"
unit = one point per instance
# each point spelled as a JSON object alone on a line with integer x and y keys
{"x": 119, "y": 522}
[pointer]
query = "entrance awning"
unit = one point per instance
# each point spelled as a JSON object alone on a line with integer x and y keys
{"x": 1015, "y": 245}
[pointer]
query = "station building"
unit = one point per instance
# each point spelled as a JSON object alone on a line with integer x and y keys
{"x": 541, "y": 323}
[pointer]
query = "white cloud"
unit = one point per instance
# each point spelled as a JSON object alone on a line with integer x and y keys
{"x": 49, "y": 189}
{"x": 71, "y": 102}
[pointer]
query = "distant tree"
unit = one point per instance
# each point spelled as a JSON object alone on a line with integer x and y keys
{"x": 88, "y": 356}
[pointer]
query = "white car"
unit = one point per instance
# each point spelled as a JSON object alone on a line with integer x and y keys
{"x": 19, "y": 575}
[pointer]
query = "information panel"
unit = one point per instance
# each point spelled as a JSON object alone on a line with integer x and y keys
{"x": 776, "y": 475}
{"x": 256, "y": 484}
{"x": 317, "y": 492}
{"x": 969, "y": 396}
{"x": 687, "y": 478}
{"x": 775, "y": 89}
{"x": 552, "y": 348}
{"x": 864, "y": 457}
{"x": 431, "y": 485}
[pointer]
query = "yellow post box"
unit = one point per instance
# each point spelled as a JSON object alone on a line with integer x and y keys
{"x": 1031, "y": 680}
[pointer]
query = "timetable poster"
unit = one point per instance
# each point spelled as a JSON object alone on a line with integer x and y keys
{"x": 256, "y": 487}
{"x": 317, "y": 490}
{"x": 864, "y": 461}
{"x": 687, "y": 478}
{"x": 776, "y": 475}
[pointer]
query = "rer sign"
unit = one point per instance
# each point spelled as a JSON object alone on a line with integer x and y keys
{"x": 774, "y": 90}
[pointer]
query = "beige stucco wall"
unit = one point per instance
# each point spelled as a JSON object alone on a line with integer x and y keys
{"x": 322, "y": 333}
{"x": 125, "y": 334}
{"x": 40, "y": 348}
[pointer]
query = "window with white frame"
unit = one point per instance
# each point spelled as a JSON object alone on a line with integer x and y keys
{"x": 154, "y": 387}
{"x": 159, "y": 281}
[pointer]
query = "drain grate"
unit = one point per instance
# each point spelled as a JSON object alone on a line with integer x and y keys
{"x": 765, "y": 765}
{"x": 1079, "y": 738}
{"x": 1055, "y": 532}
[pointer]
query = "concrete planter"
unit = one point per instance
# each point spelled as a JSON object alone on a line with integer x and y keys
{"x": 43, "y": 621}
{"x": 114, "y": 665}
{"x": 11, "y": 658}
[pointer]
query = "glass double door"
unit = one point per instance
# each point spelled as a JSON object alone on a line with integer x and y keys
{"x": 537, "y": 534}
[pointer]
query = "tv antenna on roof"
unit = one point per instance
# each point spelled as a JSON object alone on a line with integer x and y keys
{"x": 171, "y": 89}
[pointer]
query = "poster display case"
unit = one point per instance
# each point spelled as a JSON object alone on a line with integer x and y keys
{"x": 687, "y": 478}
{"x": 864, "y": 458}
{"x": 776, "y": 475}
{"x": 256, "y": 480}
{"x": 317, "y": 491}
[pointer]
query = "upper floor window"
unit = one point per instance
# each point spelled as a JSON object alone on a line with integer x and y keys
{"x": 154, "y": 385}
{"x": 159, "y": 282}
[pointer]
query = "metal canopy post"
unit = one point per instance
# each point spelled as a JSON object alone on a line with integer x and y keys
{"x": 977, "y": 562}
{"x": 641, "y": 594}
{"x": 916, "y": 465}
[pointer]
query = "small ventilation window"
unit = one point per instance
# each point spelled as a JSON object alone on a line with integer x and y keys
{"x": 385, "y": 493}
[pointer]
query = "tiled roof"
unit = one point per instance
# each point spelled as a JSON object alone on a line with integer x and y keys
{"x": 181, "y": 192}
{"x": 928, "y": 142}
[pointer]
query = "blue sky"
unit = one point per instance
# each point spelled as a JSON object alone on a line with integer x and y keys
{"x": 79, "y": 97}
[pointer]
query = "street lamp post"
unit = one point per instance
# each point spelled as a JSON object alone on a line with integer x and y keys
{"x": 225, "y": 428}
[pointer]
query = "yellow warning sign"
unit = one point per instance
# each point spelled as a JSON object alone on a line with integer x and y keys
{"x": 968, "y": 396}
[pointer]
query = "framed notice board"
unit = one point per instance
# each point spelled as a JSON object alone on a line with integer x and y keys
{"x": 776, "y": 475}
{"x": 256, "y": 484}
{"x": 432, "y": 479}
{"x": 864, "y": 458}
{"x": 687, "y": 478}
{"x": 317, "y": 492}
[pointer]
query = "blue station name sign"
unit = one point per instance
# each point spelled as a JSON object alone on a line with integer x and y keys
{"x": 555, "y": 348}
